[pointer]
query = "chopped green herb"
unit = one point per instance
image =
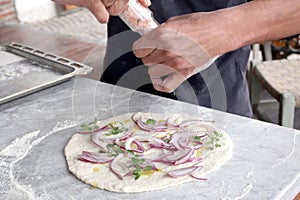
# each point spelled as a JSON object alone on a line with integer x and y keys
{"x": 114, "y": 149}
{"x": 167, "y": 140}
{"x": 197, "y": 138}
{"x": 137, "y": 176}
{"x": 138, "y": 169}
{"x": 214, "y": 139}
{"x": 135, "y": 161}
{"x": 91, "y": 126}
{"x": 110, "y": 146}
{"x": 150, "y": 121}
{"x": 95, "y": 120}
{"x": 218, "y": 134}
{"x": 110, "y": 124}
{"x": 147, "y": 168}
{"x": 130, "y": 151}
{"x": 115, "y": 130}
{"x": 118, "y": 149}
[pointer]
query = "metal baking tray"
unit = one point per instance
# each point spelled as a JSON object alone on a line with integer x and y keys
{"x": 25, "y": 70}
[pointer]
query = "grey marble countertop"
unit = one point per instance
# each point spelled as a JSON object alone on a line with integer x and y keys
{"x": 35, "y": 129}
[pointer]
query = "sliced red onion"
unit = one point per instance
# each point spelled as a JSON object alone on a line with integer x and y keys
{"x": 119, "y": 168}
{"x": 198, "y": 178}
{"x": 134, "y": 139}
{"x": 161, "y": 158}
{"x": 95, "y": 157}
{"x": 179, "y": 150}
{"x": 149, "y": 163}
{"x": 135, "y": 118}
{"x": 174, "y": 140}
{"x": 159, "y": 143}
{"x": 178, "y": 156}
{"x": 140, "y": 147}
{"x": 195, "y": 122}
{"x": 185, "y": 158}
{"x": 101, "y": 143}
{"x": 183, "y": 171}
{"x": 171, "y": 121}
{"x": 120, "y": 143}
{"x": 188, "y": 145}
{"x": 194, "y": 173}
{"x": 194, "y": 159}
{"x": 183, "y": 140}
{"x": 101, "y": 139}
{"x": 149, "y": 127}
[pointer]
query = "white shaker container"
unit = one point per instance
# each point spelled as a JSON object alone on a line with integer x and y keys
{"x": 138, "y": 18}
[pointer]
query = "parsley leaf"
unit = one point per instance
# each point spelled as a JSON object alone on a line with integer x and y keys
{"x": 150, "y": 121}
{"x": 147, "y": 168}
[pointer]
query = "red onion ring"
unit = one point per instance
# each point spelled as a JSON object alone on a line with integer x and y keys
{"x": 134, "y": 139}
{"x": 185, "y": 158}
{"x": 183, "y": 171}
{"x": 99, "y": 137}
{"x": 147, "y": 127}
{"x": 116, "y": 165}
{"x": 95, "y": 157}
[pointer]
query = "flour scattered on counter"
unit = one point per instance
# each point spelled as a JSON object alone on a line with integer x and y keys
{"x": 245, "y": 191}
{"x": 17, "y": 151}
{"x": 18, "y": 69}
{"x": 10, "y": 155}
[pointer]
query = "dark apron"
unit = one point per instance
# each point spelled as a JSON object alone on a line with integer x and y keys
{"x": 222, "y": 86}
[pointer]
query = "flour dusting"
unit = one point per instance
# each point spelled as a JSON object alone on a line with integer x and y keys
{"x": 17, "y": 151}
{"x": 19, "y": 69}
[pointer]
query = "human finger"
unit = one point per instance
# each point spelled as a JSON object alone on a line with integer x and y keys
{"x": 169, "y": 84}
{"x": 145, "y": 3}
{"x": 160, "y": 70}
{"x": 98, "y": 9}
{"x": 117, "y": 7}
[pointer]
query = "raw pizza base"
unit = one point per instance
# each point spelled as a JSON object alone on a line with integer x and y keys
{"x": 100, "y": 175}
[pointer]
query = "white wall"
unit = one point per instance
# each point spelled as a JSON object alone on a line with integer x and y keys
{"x": 34, "y": 10}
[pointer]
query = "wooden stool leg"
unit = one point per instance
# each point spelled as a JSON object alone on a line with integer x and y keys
{"x": 255, "y": 91}
{"x": 255, "y": 87}
{"x": 287, "y": 110}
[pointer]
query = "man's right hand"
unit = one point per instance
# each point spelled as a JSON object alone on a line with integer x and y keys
{"x": 101, "y": 9}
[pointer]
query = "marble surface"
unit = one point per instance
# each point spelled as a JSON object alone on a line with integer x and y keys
{"x": 35, "y": 129}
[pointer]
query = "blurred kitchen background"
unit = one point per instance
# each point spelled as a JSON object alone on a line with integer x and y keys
{"x": 48, "y": 16}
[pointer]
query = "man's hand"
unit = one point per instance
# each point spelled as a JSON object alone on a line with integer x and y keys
{"x": 180, "y": 48}
{"x": 101, "y": 9}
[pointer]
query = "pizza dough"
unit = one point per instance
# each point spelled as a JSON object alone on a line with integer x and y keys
{"x": 101, "y": 176}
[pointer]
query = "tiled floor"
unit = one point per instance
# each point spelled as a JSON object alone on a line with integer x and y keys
{"x": 84, "y": 26}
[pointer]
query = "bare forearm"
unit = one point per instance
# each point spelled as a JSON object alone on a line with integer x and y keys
{"x": 264, "y": 20}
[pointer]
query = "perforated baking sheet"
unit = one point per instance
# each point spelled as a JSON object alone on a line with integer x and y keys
{"x": 25, "y": 70}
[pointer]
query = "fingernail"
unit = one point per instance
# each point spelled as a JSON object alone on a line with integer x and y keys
{"x": 148, "y": 2}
